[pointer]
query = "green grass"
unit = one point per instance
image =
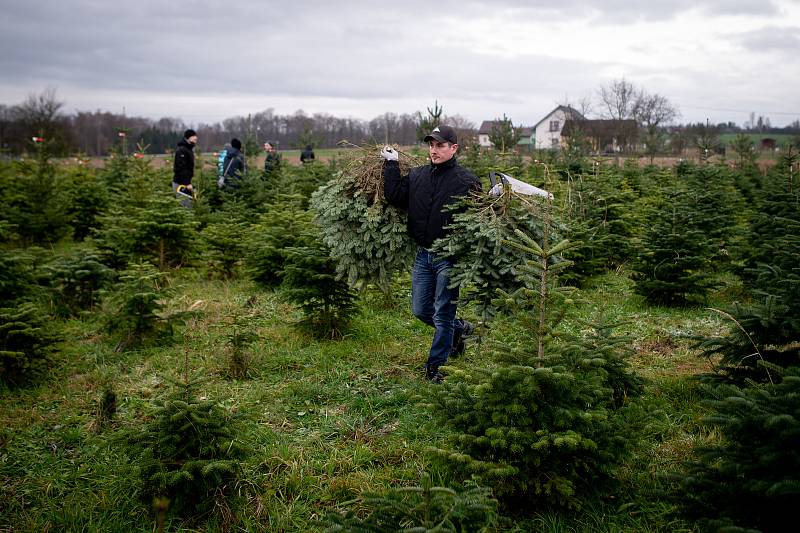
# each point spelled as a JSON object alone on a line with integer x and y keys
{"x": 781, "y": 139}
{"x": 324, "y": 421}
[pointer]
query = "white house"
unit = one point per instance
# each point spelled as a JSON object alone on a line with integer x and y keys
{"x": 483, "y": 133}
{"x": 547, "y": 132}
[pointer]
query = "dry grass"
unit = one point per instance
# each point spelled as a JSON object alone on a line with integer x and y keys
{"x": 364, "y": 165}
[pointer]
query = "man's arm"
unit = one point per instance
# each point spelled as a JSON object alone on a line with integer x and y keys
{"x": 395, "y": 186}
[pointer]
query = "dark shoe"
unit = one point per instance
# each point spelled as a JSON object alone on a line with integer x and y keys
{"x": 434, "y": 376}
{"x": 469, "y": 327}
{"x": 458, "y": 339}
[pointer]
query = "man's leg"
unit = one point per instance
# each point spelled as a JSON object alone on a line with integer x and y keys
{"x": 445, "y": 305}
{"x": 423, "y": 285}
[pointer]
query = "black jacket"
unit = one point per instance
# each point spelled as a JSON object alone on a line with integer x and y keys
{"x": 425, "y": 192}
{"x": 307, "y": 155}
{"x": 234, "y": 165}
{"x": 183, "y": 167}
{"x": 272, "y": 162}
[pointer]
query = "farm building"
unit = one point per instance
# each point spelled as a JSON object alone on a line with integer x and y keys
{"x": 547, "y": 132}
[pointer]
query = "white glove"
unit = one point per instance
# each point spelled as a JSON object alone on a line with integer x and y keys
{"x": 389, "y": 153}
{"x": 497, "y": 190}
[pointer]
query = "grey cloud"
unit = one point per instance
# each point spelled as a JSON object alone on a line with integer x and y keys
{"x": 626, "y": 11}
{"x": 317, "y": 49}
{"x": 771, "y": 39}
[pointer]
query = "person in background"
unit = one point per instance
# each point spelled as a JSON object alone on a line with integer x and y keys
{"x": 424, "y": 193}
{"x": 221, "y": 165}
{"x": 235, "y": 166}
{"x": 183, "y": 168}
{"x": 307, "y": 155}
{"x": 272, "y": 163}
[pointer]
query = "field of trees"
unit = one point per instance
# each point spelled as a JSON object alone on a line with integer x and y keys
{"x": 252, "y": 364}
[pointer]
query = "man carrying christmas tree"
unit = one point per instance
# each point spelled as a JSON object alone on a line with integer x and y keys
{"x": 183, "y": 168}
{"x": 424, "y": 193}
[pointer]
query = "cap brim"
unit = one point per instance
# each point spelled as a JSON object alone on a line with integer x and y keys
{"x": 434, "y": 136}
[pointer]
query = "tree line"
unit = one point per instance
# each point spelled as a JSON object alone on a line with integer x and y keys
{"x": 96, "y": 133}
{"x": 642, "y": 119}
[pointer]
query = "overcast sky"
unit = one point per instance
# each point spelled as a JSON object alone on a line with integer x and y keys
{"x": 204, "y": 61}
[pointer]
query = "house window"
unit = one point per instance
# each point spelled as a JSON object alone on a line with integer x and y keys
{"x": 554, "y": 125}
{"x": 554, "y": 143}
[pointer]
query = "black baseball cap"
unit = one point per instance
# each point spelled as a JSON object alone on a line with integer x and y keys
{"x": 443, "y": 134}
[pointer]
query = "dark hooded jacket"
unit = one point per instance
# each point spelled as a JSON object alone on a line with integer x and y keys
{"x": 234, "y": 164}
{"x": 307, "y": 155}
{"x": 183, "y": 167}
{"x": 424, "y": 193}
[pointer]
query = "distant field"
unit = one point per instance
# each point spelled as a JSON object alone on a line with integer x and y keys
{"x": 781, "y": 139}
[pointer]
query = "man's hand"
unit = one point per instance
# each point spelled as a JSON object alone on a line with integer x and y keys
{"x": 389, "y": 153}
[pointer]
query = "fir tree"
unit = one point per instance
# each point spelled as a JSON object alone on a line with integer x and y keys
{"x": 76, "y": 281}
{"x": 368, "y": 240}
{"x": 424, "y": 509}
{"x": 538, "y": 427}
{"x": 240, "y": 335}
{"x": 26, "y": 344}
{"x": 425, "y": 124}
{"x": 477, "y": 239}
{"x": 146, "y": 222}
{"x": 119, "y": 167}
{"x": 745, "y": 151}
{"x": 226, "y": 244}
{"x": 600, "y": 221}
{"x": 305, "y": 179}
{"x": 35, "y": 204}
{"x": 768, "y": 326}
{"x": 106, "y": 408}
{"x": 88, "y": 197}
{"x": 310, "y": 281}
{"x": 139, "y": 316}
{"x": 772, "y": 236}
{"x": 673, "y": 267}
{"x": 750, "y": 480}
{"x": 283, "y": 225}
{"x": 189, "y": 453}
{"x": 504, "y": 136}
{"x": 17, "y": 277}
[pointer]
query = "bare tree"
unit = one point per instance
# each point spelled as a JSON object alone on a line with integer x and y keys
{"x": 618, "y": 99}
{"x": 633, "y": 108}
{"x": 465, "y": 129}
{"x": 40, "y": 109}
{"x": 40, "y": 116}
{"x": 653, "y": 110}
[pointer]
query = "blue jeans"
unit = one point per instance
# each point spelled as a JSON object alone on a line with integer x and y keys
{"x": 434, "y": 303}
